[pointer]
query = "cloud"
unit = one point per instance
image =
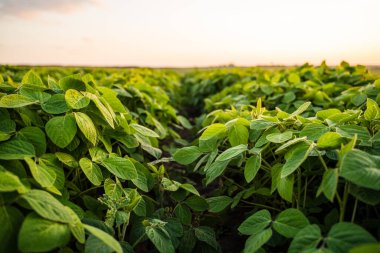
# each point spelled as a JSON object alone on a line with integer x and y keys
{"x": 32, "y": 8}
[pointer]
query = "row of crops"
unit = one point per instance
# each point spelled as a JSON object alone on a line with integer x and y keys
{"x": 221, "y": 160}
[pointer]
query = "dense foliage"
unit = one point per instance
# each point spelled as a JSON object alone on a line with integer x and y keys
{"x": 220, "y": 160}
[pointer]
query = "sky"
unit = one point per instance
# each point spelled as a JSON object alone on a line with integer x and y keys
{"x": 189, "y": 33}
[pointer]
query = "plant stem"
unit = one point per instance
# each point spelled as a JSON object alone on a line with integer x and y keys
{"x": 299, "y": 181}
{"x": 344, "y": 202}
{"x": 322, "y": 161}
{"x": 304, "y": 193}
{"x": 354, "y": 211}
{"x": 138, "y": 240}
{"x": 260, "y": 205}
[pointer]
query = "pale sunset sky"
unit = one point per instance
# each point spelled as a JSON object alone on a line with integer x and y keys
{"x": 188, "y": 33}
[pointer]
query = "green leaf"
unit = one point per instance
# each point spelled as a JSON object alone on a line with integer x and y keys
{"x": 10, "y": 182}
{"x": 95, "y": 245}
{"x": 106, "y": 113}
{"x": 75, "y": 99}
{"x": 55, "y": 105}
{"x": 15, "y": 101}
{"x": 120, "y": 167}
{"x": 207, "y": 235}
{"x": 279, "y": 137}
{"x": 329, "y": 184}
{"x": 67, "y": 159}
{"x": 252, "y": 166}
{"x": 284, "y": 185}
{"x": 231, "y": 153}
{"x": 170, "y": 185}
{"x": 183, "y": 213}
{"x": 329, "y": 140}
{"x": 16, "y": 149}
{"x": 215, "y": 170}
{"x": 256, "y": 241}
{"x": 313, "y": 131}
{"x": 91, "y": 170}
{"x": 104, "y": 237}
{"x": 213, "y": 131}
{"x": 361, "y": 168}
{"x": 295, "y": 157}
{"x": 35, "y": 136}
{"x": 189, "y": 188}
{"x": 238, "y": 134}
{"x": 344, "y": 236}
{"x": 87, "y": 127}
{"x": 301, "y": 109}
{"x": 44, "y": 204}
{"x": 40, "y": 235}
{"x": 61, "y": 130}
{"x": 113, "y": 189}
{"x": 144, "y": 131}
{"x": 196, "y": 203}
{"x": 368, "y": 247}
{"x": 76, "y": 226}
{"x": 289, "y": 222}
{"x": 72, "y": 82}
{"x": 10, "y": 220}
{"x": 45, "y": 176}
{"x": 372, "y": 111}
{"x": 325, "y": 114}
{"x": 294, "y": 78}
{"x": 187, "y": 155}
{"x": 184, "y": 122}
{"x": 218, "y": 204}
{"x": 160, "y": 238}
{"x": 306, "y": 239}
{"x": 255, "y": 223}
{"x": 32, "y": 78}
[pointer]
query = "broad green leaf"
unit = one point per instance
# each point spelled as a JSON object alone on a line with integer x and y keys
{"x": 307, "y": 238}
{"x": 290, "y": 143}
{"x": 189, "y": 188}
{"x": 313, "y": 131}
{"x": 32, "y": 78}
{"x": 170, "y": 185}
{"x": 36, "y": 137}
{"x": 231, "y": 153}
{"x": 252, "y": 166}
{"x": 289, "y": 222}
{"x": 95, "y": 245}
{"x": 10, "y": 182}
{"x": 72, "y": 82}
{"x": 91, "y": 170}
{"x": 255, "y": 223}
{"x": 324, "y": 114}
{"x": 256, "y": 241}
{"x": 61, "y": 130}
{"x": 207, "y": 235}
{"x": 120, "y": 167}
{"x": 75, "y": 99}
{"x": 368, "y": 247}
{"x": 215, "y": 170}
{"x": 44, "y": 204}
{"x": 344, "y": 236}
{"x": 284, "y": 185}
{"x": 372, "y": 111}
{"x": 361, "y": 168}
{"x": 67, "y": 159}
{"x": 10, "y": 220}
{"x": 45, "y": 176}
{"x": 279, "y": 137}
{"x": 329, "y": 184}
{"x": 106, "y": 238}
{"x": 197, "y": 203}
{"x": 15, "y": 101}
{"x": 144, "y": 131}
{"x": 218, "y": 204}
{"x": 16, "y": 149}
{"x": 184, "y": 122}
{"x": 113, "y": 189}
{"x": 187, "y": 155}
{"x": 55, "y": 105}
{"x": 294, "y": 78}
{"x": 87, "y": 127}
{"x": 238, "y": 134}
{"x": 301, "y": 109}
{"x": 160, "y": 239}
{"x": 104, "y": 111}
{"x": 76, "y": 226}
{"x": 213, "y": 131}
{"x": 40, "y": 235}
{"x": 329, "y": 140}
{"x": 183, "y": 213}
{"x": 295, "y": 157}
{"x": 365, "y": 195}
